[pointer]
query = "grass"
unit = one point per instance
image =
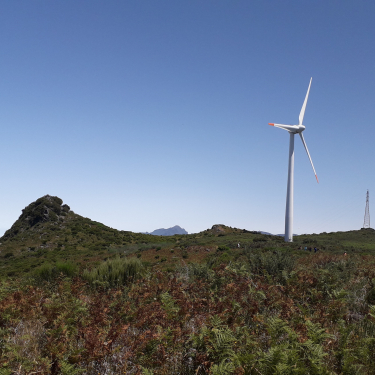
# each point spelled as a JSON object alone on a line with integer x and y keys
{"x": 49, "y": 272}
{"x": 115, "y": 272}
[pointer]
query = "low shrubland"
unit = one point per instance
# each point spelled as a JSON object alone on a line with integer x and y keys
{"x": 79, "y": 297}
{"x": 263, "y": 312}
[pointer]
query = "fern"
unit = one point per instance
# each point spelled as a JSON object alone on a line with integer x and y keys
{"x": 287, "y": 355}
{"x": 316, "y": 333}
{"x": 238, "y": 269}
{"x": 339, "y": 294}
{"x": 217, "y": 342}
{"x": 69, "y": 369}
{"x": 221, "y": 343}
{"x": 224, "y": 368}
{"x": 314, "y": 353}
{"x": 169, "y": 304}
{"x": 146, "y": 371}
{"x": 372, "y": 311}
{"x": 277, "y": 328}
{"x": 216, "y": 322}
{"x": 272, "y": 359}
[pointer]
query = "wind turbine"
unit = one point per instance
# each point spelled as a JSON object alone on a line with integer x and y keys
{"x": 294, "y": 129}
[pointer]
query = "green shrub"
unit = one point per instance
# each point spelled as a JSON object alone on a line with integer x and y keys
{"x": 45, "y": 272}
{"x": 224, "y": 258}
{"x": 68, "y": 269}
{"x": 201, "y": 271}
{"x": 223, "y": 248}
{"x": 271, "y": 262}
{"x": 8, "y": 255}
{"x": 48, "y": 272}
{"x": 115, "y": 272}
{"x": 52, "y": 216}
{"x": 259, "y": 239}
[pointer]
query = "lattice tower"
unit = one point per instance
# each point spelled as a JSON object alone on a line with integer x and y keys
{"x": 366, "y": 221}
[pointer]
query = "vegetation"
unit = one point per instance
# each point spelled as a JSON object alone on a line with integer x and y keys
{"x": 115, "y": 272}
{"x": 77, "y": 297}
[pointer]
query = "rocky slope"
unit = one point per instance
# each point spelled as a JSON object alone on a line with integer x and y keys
{"x": 44, "y": 209}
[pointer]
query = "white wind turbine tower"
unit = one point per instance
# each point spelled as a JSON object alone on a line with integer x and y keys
{"x": 294, "y": 129}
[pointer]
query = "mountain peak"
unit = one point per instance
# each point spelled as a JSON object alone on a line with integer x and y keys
{"x": 45, "y": 209}
{"x": 169, "y": 231}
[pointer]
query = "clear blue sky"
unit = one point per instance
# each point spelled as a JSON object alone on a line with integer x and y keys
{"x": 148, "y": 114}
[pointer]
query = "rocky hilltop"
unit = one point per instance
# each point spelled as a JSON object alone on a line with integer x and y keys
{"x": 221, "y": 230}
{"x": 44, "y": 209}
{"x": 48, "y": 231}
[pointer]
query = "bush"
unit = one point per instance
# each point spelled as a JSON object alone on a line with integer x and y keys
{"x": 44, "y": 272}
{"x": 201, "y": 271}
{"x": 223, "y": 248}
{"x": 115, "y": 272}
{"x": 274, "y": 263}
{"x": 48, "y": 272}
{"x": 8, "y": 255}
{"x": 259, "y": 239}
{"x": 224, "y": 258}
{"x": 68, "y": 269}
{"x": 371, "y": 296}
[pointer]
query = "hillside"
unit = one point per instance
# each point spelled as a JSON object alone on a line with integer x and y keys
{"x": 49, "y": 231}
{"x": 78, "y": 297}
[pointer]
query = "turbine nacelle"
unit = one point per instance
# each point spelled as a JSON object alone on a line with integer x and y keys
{"x": 290, "y": 128}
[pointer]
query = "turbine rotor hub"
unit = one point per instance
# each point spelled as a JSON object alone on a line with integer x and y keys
{"x": 298, "y": 129}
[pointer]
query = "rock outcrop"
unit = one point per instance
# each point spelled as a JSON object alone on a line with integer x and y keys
{"x": 44, "y": 209}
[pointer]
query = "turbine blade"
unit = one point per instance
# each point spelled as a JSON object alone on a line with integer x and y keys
{"x": 302, "y": 113}
{"x": 291, "y": 128}
{"x": 308, "y": 154}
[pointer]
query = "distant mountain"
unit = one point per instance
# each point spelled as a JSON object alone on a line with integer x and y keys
{"x": 168, "y": 232}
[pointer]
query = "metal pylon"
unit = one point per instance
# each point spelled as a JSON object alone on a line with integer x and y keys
{"x": 366, "y": 221}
